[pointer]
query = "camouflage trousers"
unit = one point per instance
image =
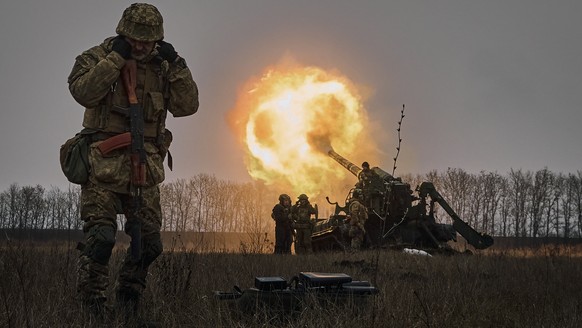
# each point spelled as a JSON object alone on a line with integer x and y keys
{"x": 303, "y": 240}
{"x": 357, "y": 235}
{"x": 283, "y": 238}
{"x": 99, "y": 209}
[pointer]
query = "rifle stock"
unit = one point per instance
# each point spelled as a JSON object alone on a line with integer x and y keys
{"x": 129, "y": 73}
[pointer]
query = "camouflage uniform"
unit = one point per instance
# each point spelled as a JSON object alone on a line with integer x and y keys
{"x": 371, "y": 185}
{"x": 95, "y": 83}
{"x": 283, "y": 228}
{"x": 358, "y": 217}
{"x": 301, "y": 217}
{"x": 366, "y": 177}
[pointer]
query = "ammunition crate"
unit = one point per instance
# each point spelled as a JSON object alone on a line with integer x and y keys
{"x": 270, "y": 283}
{"x": 318, "y": 279}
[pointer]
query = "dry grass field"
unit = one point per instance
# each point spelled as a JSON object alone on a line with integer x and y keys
{"x": 509, "y": 288}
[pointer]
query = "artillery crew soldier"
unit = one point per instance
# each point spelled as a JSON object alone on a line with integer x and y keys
{"x": 358, "y": 217}
{"x": 367, "y": 176}
{"x": 283, "y": 227}
{"x": 163, "y": 83}
{"x": 371, "y": 185}
{"x": 301, "y": 216}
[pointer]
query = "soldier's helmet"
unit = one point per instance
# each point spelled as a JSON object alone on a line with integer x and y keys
{"x": 365, "y": 165}
{"x": 303, "y": 197}
{"x": 283, "y": 197}
{"x": 141, "y": 22}
{"x": 358, "y": 193}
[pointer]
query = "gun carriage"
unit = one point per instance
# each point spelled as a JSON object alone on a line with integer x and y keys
{"x": 397, "y": 215}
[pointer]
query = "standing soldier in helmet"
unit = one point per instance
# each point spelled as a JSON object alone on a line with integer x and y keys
{"x": 163, "y": 83}
{"x": 283, "y": 228}
{"x": 358, "y": 215}
{"x": 301, "y": 216}
{"x": 371, "y": 185}
{"x": 367, "y": 176}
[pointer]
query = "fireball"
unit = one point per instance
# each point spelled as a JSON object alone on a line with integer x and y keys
{"x": 290, "y": 117}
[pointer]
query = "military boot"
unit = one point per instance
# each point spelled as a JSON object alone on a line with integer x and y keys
{"x": 97, "y": 308}
{"x": 128, "y": 302}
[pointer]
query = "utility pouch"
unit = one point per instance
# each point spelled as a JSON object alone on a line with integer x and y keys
{"x": 74, "y": 158}
{"x": 153, "y": 106}
{"x": 164, "y": 142}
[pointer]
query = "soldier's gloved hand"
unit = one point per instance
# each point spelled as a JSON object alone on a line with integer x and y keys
{"x": 167, "y": 51}
{"x": 121, "y": 46}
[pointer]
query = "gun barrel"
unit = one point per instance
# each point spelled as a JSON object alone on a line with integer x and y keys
{"x": 344, "y": 162}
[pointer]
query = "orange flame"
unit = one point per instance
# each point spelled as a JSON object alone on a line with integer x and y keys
{"x": 290, "y": 117}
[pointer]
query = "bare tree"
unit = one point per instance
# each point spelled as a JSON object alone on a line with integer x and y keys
{"x": 553, "y": 211}
{"x": 72, "y": 213}
{"x": 179, "y": 203}
{"x": 224, "y": 206}
{"x": 4, "y": 209}
{"x": 199, "y": 187}
{"x": 492, "y": 189}
{"x": 520, "y": 183}
{"x": 505, "y": 207}
{"x": 540, "y": 198}
{"x": 578, "y": 201}
{"x": 55, "y": 204}
{"x": 167, "y": 199}
{"x": 456, "y": 184}
{"x": 13, "y": 205}
{"x": 568, "y": 203}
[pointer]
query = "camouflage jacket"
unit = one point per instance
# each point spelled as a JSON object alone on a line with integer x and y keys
{"x": 358, "y": 214}
{"x": 95, "y": 83}
{"x": 281, "y": 214}
{"x": 302, "y": 213}
{"x": 367, "y": 177}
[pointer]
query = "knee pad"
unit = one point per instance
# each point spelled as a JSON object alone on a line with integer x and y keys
{"x": 100, "y": 242}
{"x": 152, "y": 248}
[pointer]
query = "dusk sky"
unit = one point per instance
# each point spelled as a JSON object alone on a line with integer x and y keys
{"x": 488, "y": 85}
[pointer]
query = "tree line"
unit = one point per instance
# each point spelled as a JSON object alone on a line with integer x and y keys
{"x": 519, "y": 204}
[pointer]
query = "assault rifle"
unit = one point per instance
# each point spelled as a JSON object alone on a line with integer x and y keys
{"x": 138, "y": 154}
{"x": 135, "y": 139}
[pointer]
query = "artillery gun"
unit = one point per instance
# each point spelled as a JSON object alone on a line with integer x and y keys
{"x": 397, "y": 216}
